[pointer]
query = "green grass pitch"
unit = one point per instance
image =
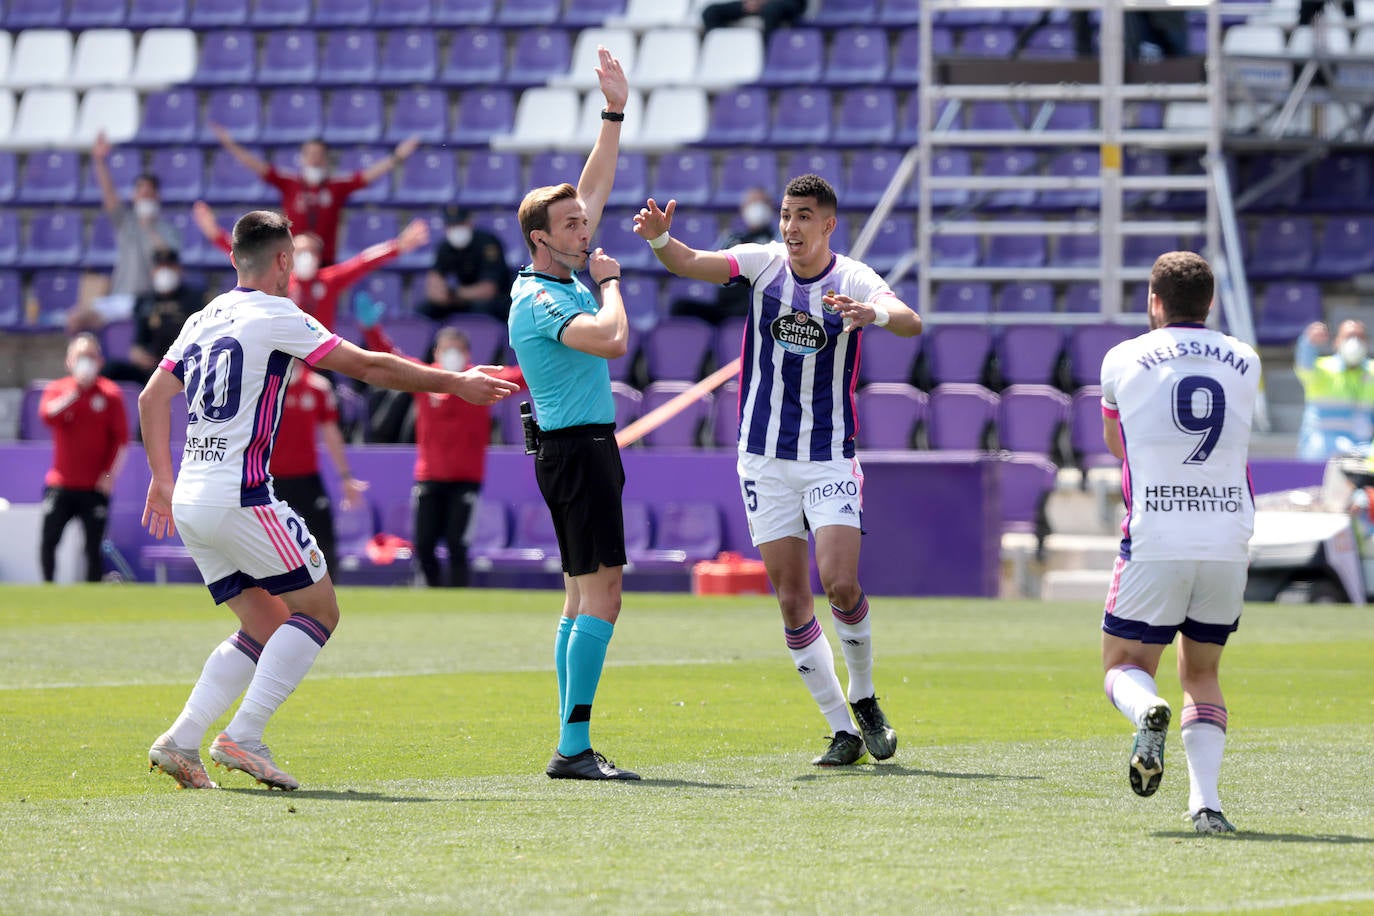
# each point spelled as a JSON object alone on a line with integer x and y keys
{"x": 421, "y": 736}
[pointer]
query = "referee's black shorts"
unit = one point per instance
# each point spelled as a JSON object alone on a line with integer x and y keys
{"x": 581, "y": 477}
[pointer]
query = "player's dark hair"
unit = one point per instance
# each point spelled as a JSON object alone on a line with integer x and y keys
{"x": 258, "y": 235}
{"x": 815, "y": 187}
{"x": 1183, "y": 282}
{"x": 534, "y": 209}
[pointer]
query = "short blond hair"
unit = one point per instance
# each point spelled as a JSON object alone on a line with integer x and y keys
{"x": 534, "y": 209}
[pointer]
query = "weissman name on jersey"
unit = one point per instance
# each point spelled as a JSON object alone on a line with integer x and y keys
{"x": 1224, "y": 355}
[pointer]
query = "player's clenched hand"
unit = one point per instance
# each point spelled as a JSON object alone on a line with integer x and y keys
{"x": 651, "y": 222}
{"x": 157, "y": 511}
{"x": 601, "y": 265}
{"x": 477, "y": 385}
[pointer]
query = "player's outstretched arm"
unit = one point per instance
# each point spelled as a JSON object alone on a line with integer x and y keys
{"x": 653, "y": 225}
{"x": 386, "y": 370}
{"x": 885, "y": 311}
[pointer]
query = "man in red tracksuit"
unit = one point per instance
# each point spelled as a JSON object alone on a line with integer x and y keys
{"x": 314, "y": 288}
{"x": 311, "y": 411}
{"x": 89, "y": 430}
{"x": 451, "y": 438}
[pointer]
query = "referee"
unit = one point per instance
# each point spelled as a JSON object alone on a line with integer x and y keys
{"x": 562, "y": 340}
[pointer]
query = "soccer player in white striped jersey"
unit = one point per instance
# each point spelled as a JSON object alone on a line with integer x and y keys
{"x": 1177, "y": 406}
{"x": 254, "y": 553}
{"x": 809, "y": 310}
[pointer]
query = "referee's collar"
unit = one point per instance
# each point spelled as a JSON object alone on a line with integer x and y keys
{"x": 531, "y": 272}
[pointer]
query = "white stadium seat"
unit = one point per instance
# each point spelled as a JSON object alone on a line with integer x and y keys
{"x": 589, "y": 121}
{"x": 42, "y": 57}
{"x": 647, "y": 14}
{"x": 1303, "y": 41}
{"x": 6, "y": 115}
{"x": 730, "y": 57}
{"x": 582, "y": 72}
{"x": 113, "y": 111}
{"x": 46, "y": 117}
{"x": 6, "y": 50}
{"x": 103, "y": 57}
{"x": 673, "y": 116}
{"x": 544, "y": 118}
{"x": 667, "y": 57}
{"x": 166, "y": 57}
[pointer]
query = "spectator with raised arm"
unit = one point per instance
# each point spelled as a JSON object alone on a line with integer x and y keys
{"x": 140, "y": 228}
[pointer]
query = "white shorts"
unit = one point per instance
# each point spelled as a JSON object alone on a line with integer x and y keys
{"x": 1150, "y": 601}
{"x": 783, "y": 497}
{"x": 235, "y": 548}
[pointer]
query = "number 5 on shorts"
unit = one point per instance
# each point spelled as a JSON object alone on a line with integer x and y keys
{"x": 751, "y": 496}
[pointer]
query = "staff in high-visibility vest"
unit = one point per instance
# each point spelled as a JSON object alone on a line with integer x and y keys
{"x": 1339, "y": 415}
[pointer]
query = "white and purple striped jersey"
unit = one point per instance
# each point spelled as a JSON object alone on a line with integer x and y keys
{"x": 1185, "y": 397}
{"x": 233, "y": 356}
{"x": 799, "y": 365}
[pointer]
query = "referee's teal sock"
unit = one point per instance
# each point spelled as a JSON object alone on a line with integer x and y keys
{"x": 586, "y": 655}
{"x": 560, "y": 663}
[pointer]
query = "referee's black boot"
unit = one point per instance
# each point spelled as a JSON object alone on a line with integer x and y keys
{"x": 586, "y": 765}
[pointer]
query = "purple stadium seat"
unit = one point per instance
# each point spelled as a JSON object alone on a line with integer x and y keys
{"x": 539, "y": 55}
{"x": 1144, "y": 163}
{"x": 409, "y": 56}
{"x": 31, "y": 425}
{"x": 1346, "y": 247}
{"x": 428, "y": 177}
{"x": 475, "y": 57}
{"x": 729, "y": 339}
{"x": 887, "y": 358}
{"x": 158, "y": 14}
{"x": 866, "y": 116}
{"x": 1284, "y": 197}
{"x": 1035, "y": 296}
{"x": 464, "y": 12}
{"x": 588, "y": 13}
{"x": 1341, "y": 181}
{"x": 486, "y": 335}
{"x": 895, "y": 239}
{"x": 335, "y": 14}
{"x": 9, "y": 235}
{"x": 1072, "y": 164}
{"x": 996, "y": 116}
{"x": 534, "y": 529}
{"x": 906, "y": 56}
{"x": 1025, "y": 483}
{"x": 506, "y": 415}
{"x": 237, "y": 110}
{"x": 701, "y": 232}
{"x": 739, "y": 117}
{"x": 419, "y": 112}
{"x": 682, "y": 430}
{"x": 828, "y": 164}
{"x": 889, "y": 415}
{"x": 1050, "y": 42}
{"x": 988, "y": 41}
{"x": 640, "y": 295}
{"x": 685, "y": 289}
{"x": 1142, "y": 250}
{"x": 1016, "y": 251}
{"x": 125, "y": 165}
{"x": 958, "y": 352}
{"x": 684, "y": 176}
{"x": 1282, "y": 247}
{"x": 406, "y": 12}
{"x": 960, "y": 416}
{"x": 1288, "y": 308}
{"x": 292, "y": 116}
{"x": 676, "y": 348}
{"x": 963, "y": 298}
{"x": 725, "y": 415}
{"x": 1072, "y": 116}
{"x": 1085, "y": 429}
{"x": 353, "y": 116}
{"x": 54, "y": 238}
{"x": 412, "y": 335}
{"x": 350, "y": 58}
{"x": 1010, "y": 164}
{"x": 868, "y": 175}
{"x": 742, "y": 170}
{"x": 359, "y": 159}
{"x": 529, "y": 12}
{"x": 639, "y": 528}
{"x": 213, "y": 14}
{"x": 1028, "y": 354}
{"x": 116, "y": 338}
{"x": 99, "y": 251}
{"x": 169, "y": 117}
{"x": 227, "y": 58}
{"x": 9, "y": 176}
{"x": 483, "y": 115}
{"x": 968, "y": 18}
{"x": 631, "y": 181}
{"x": 857, "y": 57}
{"x": 1082, "y": 298}
{"x": 363, "y": 228}
{"x": 685, "y": 533}
{"x": 33, "y": 14}
{"x": 794, "y": 58}
{"x": 56, "y": 292}
{"x": 1078, "y": 251}
{"x": 96, "y": 14}
{"x": 802, "y": 115}
{"x": 11, "y": 299}
{"x": 616, "y": 233}
{"x": 551, "y": 168}
{"x": 288, "y": 58}
{"x": 900, "y": 12}
{"x": 384, "y": 286}
{"x": 280, "y": 13}
{"x": 622, "y": 367}
{"x": 629, "y": 404}
{"x": 1088, "y": 344}
{"x": 50, "y": 177}
{"x": 954, "y": 251}
{"x": 950, "y": 163}
{"x": 1029, "y": 418}
{"x": 833, "y": 13}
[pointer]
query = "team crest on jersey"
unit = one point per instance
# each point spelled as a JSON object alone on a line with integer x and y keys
{"x": 315, "y": 558}
{"x": 798, "y": 332}
{"x": 830, "y": 309}
{"x": 313, "y": 325}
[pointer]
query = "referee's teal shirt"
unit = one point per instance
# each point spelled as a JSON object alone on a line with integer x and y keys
{"x": 569, "y": 387}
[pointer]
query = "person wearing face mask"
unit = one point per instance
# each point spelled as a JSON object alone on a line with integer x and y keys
{"x": 469, "y": 272}
{"x": 140, "y": 228}
{"x": 451, "y": 438}
{"x": 158, "y": 317}
{"x": 1338, "y": 417}
{"x": 85, "y": 412}
{"x": 316, "y": 288}
{"x": 313, "y": 198}
{"x": 759, "y": 217}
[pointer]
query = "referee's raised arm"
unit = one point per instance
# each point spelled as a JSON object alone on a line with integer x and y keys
{"x": 598, "y": 175}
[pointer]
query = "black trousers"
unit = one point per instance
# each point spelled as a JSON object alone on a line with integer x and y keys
{"x": 310, "y": 500}
{"x": 60, "y": 506}
{"x": 443, "y": 509}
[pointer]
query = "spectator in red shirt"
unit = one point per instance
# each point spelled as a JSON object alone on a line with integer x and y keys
{"x": 311, "y": 410}
{"x": 451, "y": 439}
{"x": 313, "y": 199}
{"x": 89, "y": 430}
{"x": 314, "y": 288}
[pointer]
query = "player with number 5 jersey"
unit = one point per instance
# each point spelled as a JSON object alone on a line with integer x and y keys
{"x": 1177, "y": 407}
{"x": 254, "y": 553}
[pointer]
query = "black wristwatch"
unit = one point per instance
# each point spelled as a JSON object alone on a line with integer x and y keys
{"x": 612, "y": 115}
